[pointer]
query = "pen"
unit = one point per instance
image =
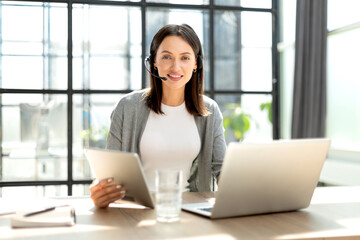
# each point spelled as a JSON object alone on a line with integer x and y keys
{"x": 42, "y": 211}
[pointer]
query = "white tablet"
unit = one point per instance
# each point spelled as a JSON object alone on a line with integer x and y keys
{"x": 126, "y": 170}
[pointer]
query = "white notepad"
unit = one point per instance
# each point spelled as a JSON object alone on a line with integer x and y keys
{"x": 60, "y": 216}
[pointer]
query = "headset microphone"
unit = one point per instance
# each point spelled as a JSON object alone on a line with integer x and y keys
{"x": 147, "y": 60}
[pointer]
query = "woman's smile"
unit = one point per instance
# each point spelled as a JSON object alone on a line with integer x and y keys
{"x": 175, "y": 77}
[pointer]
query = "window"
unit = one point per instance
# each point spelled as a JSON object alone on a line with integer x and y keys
{"x": 343, "y": 74}
{"x": 287, "y": 61}
{"x": 342, "y": 165}
{"x": 56, "y": 98}
{"x": 343, "y": 86}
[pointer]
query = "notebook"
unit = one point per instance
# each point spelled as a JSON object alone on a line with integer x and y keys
{"x": 51, "y": 217}
{"x": 259, "y": 178}
{"x": 125, "y": 168}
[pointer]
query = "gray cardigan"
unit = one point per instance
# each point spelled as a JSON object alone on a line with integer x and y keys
{"x": 128, "y": 121}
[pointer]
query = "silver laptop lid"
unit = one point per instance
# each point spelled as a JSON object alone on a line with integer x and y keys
{"x": 269, "y": 177}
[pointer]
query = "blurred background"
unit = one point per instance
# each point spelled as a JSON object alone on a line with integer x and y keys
{"x": 56, "y": 98}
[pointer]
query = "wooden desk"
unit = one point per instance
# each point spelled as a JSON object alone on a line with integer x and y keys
{"x": 333, "y": 214}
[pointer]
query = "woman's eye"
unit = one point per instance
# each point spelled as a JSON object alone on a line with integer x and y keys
{"x": 186, "y": 58}
{"x": 166, "y": 57}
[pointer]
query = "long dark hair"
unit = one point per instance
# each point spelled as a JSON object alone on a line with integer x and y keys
{"x": 194, "y": 88}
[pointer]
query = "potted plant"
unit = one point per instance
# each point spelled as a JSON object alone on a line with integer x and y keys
{"x": 236, "y": 120}
{"x": 96, "y": 136}
{"x": 267, "y": 107}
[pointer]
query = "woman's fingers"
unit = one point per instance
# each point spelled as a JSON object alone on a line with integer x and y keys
{"x": 104, "y": 192}
{"x": 105, "y": 200}
{"x": 98, "y": 185}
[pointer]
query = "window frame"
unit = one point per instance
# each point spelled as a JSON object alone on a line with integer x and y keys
{"x": 143, "y": 5}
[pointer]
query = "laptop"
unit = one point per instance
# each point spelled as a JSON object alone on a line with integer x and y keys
{"x": 125, "y": 168}
{"x": 260, "y": 178}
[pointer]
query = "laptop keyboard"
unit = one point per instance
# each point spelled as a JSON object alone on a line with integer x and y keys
{"x": 206, "y": 209}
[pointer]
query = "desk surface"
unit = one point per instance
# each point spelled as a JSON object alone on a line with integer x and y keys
{"x": 334, "y": 213}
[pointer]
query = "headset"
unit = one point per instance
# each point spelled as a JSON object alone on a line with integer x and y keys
{"x": 147, "y": 60}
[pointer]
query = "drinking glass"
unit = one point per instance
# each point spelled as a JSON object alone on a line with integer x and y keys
{"x": 168, "y": 185}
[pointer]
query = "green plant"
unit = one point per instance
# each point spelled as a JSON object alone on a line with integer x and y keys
{"x": 267, "y": 106}
{"x": 236, "y": 120}
{"x": 95, "y": 134}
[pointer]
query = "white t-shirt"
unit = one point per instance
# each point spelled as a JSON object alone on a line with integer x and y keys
{"x": 170, "y": 141}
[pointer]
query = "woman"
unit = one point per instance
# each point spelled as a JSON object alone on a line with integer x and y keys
{"x": 172, "y": 124}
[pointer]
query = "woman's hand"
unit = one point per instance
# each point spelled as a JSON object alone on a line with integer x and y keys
{"x": 105, "y": 192}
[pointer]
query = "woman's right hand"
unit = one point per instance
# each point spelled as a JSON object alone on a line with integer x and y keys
{"x": 105, "y": 192}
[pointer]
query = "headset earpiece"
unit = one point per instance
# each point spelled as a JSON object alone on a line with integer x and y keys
{"x": 150, "y": 60}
